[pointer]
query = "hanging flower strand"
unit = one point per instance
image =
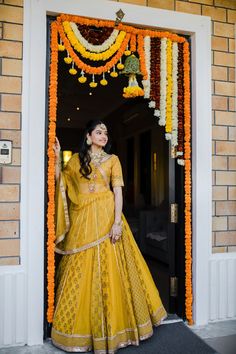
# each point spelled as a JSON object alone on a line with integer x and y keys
{"x": 169, "y": 91}
{"x": 51, "y": 171}
{"x": 187, "y": 156}
{"x": 89, "y": 55}
{"x": 92, "y": 47}
{"x": 88, "y": 68}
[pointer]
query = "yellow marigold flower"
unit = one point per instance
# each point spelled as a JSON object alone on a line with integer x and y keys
{"x": 120, "y": 66}
{"x": 73, "y": 71}
{"x": 103, "y": 82}
{"x": 127, "y": 52}
{"x": 113, "y": 74}
{"x": 61, "y": 47}
{"x": 93, "y": 84}
{"x": 82, "y": 79}
{"x": 68, "y": 60}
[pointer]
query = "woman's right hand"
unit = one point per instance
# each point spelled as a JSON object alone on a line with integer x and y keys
{"x": 57, "y": 148}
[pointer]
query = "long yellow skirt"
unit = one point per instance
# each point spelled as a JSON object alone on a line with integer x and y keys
{"x": 106, "y": 298}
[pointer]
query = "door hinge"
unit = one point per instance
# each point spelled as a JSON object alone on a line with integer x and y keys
{"x": 173, "y": 286}
{"x": 174, "y": 213}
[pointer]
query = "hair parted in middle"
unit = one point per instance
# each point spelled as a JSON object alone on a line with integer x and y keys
{"x": 84, "y": 156}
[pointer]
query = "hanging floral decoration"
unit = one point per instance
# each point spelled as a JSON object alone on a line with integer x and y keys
{"x": 96, "y": 50}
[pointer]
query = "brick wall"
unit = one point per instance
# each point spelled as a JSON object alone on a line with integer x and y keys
{"x": 223, "y": 14}
{"x": 11, "y": 25}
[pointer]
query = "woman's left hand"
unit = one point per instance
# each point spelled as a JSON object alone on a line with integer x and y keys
{"x": 116, "y": 232}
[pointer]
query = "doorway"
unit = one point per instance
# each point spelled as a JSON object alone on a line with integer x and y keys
{"x": 150, "y": 174}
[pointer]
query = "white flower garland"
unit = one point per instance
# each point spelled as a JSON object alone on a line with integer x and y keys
{"x": 152, "y": 104}
{"x": 163, "y": 83}
{"x": 147, "y": 51}
{"x": 174, "y": 138}
{"x": 91, "y": 47}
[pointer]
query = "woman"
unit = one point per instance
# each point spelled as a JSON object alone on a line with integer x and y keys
{"x": 106, "y": 298}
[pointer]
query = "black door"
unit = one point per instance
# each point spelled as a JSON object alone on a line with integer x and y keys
{"x": 153, "y": 201}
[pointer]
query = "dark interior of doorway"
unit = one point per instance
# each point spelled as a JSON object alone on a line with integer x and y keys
{"x": 149, "y": 176}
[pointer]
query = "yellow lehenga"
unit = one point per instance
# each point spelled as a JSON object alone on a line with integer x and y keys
{"x": 106, "y": 298}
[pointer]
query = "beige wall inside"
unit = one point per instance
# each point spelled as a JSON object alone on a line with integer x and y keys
{"x": 223, "y": 14}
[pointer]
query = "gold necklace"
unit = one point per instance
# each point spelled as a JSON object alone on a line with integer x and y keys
{"x": 96, "y": 158}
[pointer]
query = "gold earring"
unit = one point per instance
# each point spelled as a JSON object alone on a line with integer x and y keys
{"x": 89, "y": 141}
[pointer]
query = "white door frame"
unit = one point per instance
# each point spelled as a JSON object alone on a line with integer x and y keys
{"x": 33, "y": 140}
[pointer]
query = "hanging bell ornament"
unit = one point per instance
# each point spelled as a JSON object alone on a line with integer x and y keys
{"x": 131, "y": 68}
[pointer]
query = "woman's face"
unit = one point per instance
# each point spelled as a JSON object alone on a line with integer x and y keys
{"x": 99, "y": 135}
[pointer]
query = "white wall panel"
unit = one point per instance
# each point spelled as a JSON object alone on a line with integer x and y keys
{"x": 222, "y": 299}
{"x": 13, "y": 309}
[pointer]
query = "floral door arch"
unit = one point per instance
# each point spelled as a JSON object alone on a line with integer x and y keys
{"x": 165, "y": 69}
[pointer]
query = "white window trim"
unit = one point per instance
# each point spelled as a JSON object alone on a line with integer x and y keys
{"x": 33, "y": 140}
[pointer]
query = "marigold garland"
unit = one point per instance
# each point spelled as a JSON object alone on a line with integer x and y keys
{"x": 132, "y": 35}
{"x": 180, "y": 146}
{"x": 89, "y": 55}
{"x": 88, "y": 68}
{"x": 169, "y": 87}
{"x": 129, "y": 29}
{"x": 187, "y": 195}
{"x": 143, "y": 68}
{"x": 51, "y": 172}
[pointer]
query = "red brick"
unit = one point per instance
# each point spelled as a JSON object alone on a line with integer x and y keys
{"x": 11, "y": 103}
{"x": 232, "y": 194}
{"x": 219, "y": 73}
{"x": 225, "y": 88}
{"x": 223, "y": 29}
{"x": 232, "y": 133}
{"x": 9, "y": 121}
{"x": 216, "y": 14}
{"x": 219, "y": 132}
{"x": 232, "y": 74}
{"x": 14, "y": 2}
{"x": 232, "y": 222}
{"x": 232, "y": 163}
{"x": 225, "y": 59}
{"x": 9, "y": 229}
{"x": 225, "y": 148}
{"x": 219, "y": 163}
{"x": 135, "y": 2}
{"x": 9, "y": 211}
{"x": 231, "y": 16}
{"x": 10, "y": 84}
{"x": 162, "y": 4}
{"x": 12, "y": 67}
{"x": 225, "y": 118}
{"x": 9, "y": 193}
{"x": 219, "y": 249}
{"x": 183, "y": 6}
{"x": 219, "y": 43}
{"x": 10, "y": 174}
{"x": 219, "y": 193}
{"x": 219, "y": 103}
{"x": 13, "y": 31}
{"x": 11, "y": 14}
{"x": 231, "y": 4}
{"x": 9, "y": 247}
{"x": 232, "y": 104}
{"x": 232, "y": 45}
{"x": 219, "y": 223}
{"x": 206, "y": 2}
{"x": 5, "y": 261}
{"x": 14, "y": 135}
{"x": 226, "y": 178}
{"x": 226, "y": 238}
{"x": 10, "y": 49}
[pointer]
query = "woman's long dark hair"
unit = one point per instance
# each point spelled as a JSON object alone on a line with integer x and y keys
{"x": 84, "y": 157}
